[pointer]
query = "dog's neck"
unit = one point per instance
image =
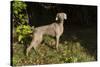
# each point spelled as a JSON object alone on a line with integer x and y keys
{"x": 61, "y": 22}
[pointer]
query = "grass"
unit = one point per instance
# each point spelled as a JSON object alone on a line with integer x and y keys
{"x": 69, "y": 52}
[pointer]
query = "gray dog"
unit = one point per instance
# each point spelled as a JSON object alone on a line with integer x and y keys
{"x": 54, "y": 29}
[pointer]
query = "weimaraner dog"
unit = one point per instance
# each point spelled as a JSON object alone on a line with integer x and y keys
{"x": 55, "y": 29}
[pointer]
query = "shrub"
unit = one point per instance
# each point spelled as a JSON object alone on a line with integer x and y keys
{"x": 23, "y": 32}
{"x": 20, "y": 21}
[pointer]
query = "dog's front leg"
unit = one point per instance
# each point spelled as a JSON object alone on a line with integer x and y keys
{"x": 57, "y": 42}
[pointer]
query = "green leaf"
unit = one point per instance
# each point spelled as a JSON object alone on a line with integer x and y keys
{"x": 20, "y": 38}
{"x": 16, "y": 12}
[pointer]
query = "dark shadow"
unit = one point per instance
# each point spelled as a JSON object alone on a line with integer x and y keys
{"x": 87, "y": 36}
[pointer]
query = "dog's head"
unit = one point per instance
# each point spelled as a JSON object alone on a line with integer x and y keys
{"x": 61, "y": 16}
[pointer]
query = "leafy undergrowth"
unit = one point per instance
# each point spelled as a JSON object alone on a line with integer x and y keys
{"x": 69, "y": 52}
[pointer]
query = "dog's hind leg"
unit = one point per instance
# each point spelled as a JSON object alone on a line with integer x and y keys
{"x": 35, "y": 42}
{"x": 30, "y": 47}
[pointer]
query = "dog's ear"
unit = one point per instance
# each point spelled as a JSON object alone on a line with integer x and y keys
{"x": 56, "y": 17}
{"x": 65, "y": 16}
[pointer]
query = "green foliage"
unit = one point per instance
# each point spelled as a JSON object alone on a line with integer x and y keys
{"x": 18, "y": 6}
{"x": 21, "y": 20}
{"x": 71, "y": 59}
{"x": 19, "y": 12}
{"x": 22, "y": 32}
{"x": 70, "y": 52}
